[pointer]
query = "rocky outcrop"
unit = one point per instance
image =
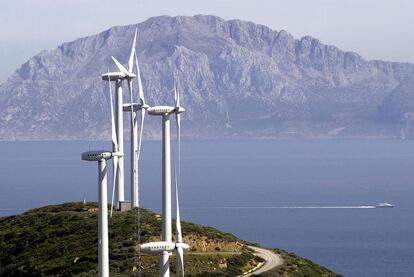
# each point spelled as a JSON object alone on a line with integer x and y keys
{"x": 237, "y": 78}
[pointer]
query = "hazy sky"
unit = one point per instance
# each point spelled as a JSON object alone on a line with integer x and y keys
{"x": 376, "y": 29}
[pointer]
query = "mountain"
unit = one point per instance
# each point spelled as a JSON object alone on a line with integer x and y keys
{"x": 238, "y": 79}
{"x": 61, "y": 240}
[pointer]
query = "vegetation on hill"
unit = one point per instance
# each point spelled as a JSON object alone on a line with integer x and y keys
{"x": 61, "y": 240}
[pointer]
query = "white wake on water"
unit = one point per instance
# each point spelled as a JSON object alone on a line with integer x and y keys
{"x": 279, "y": 207}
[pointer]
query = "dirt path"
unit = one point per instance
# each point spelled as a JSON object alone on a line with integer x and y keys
{"x": 272, "y": 260}
{"x": 213, "y": 253}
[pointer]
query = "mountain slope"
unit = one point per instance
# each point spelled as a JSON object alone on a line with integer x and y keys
{"x": 238, "y": 78}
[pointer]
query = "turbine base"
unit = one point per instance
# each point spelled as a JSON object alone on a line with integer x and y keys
{"x": 124, "y": 206}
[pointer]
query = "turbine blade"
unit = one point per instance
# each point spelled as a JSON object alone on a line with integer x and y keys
{"x": 114, "y": 172}
{"x": 177, "y": 170}
{"x": 180, "y": 261}
{"x": 179, "y": 236}
{"x": 141, "y": 133}
{"x": 131, "y": 56}
{"x": 140, "y": 91}
{"x": 114, "y": 138}
{"x": 175, "y": 95}
{"x": 120, "y": 67}
{"x": 177, "y": 104}
{"x": 178, "y": 122}
{"x": 118, "y": 173}
{"x": 132, "y": 108}
{"x": 133, "y": 137}
{"x": 137, "y": 154}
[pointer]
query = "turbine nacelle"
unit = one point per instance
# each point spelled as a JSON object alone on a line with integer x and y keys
{"x": 179, "y": 110}
{"x": 113, "y": 76}
{"x": 159, "y": 247}
{"x": 161, "y": 110}
{"x": 129, "y": 76}
{"x": 182, "y": 245}
{"x": 99, "y": 155}
{"x": 126, "y": 73}
{"x": 136, "y": 107}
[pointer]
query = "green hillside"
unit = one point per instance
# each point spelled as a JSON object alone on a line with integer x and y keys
{"x": 61, "y": 240}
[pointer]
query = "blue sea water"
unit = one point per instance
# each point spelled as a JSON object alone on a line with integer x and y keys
{"x": 242, "y": 186}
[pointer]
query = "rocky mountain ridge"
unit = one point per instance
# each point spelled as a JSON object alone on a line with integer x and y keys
{"x": 238, "y": 79}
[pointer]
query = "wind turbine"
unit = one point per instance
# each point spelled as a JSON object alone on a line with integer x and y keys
{"x": 133, "y": 108}
{"x": 160, "y": 247}
{"x": 117, "y": 135}
{"x": 118, "y": 77}
{"x": 103, "y": 249}
{"x": 101, "y": 157}
{"x": 165, "y": 112}
{"x": 179, "y": 246}
{"x": 115, "y": 164}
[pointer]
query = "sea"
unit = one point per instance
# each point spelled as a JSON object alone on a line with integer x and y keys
{"x": 311, "y": 197}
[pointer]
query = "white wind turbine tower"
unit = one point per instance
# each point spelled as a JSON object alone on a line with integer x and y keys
{"x": 167, "y": 244}
{"x": 162, "y": 247}
{"x": 101, "y": 157}
{"x": 133, "y": 108}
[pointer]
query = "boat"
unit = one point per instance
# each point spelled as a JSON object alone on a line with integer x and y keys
{"x": 384, "y": 205}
